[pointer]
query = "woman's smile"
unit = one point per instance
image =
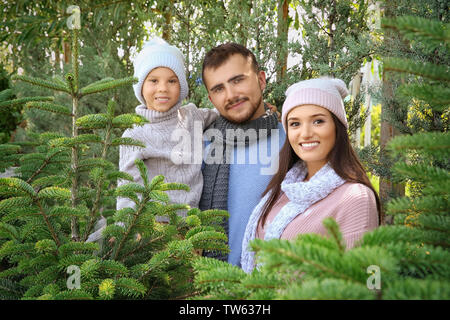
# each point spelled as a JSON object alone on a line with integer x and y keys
{"x": 309, "y": 145}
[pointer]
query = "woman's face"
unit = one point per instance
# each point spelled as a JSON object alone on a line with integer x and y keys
{"x": 312, "y": 134}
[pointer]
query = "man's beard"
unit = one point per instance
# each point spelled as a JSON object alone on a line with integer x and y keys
{"x": 247, "y": 117}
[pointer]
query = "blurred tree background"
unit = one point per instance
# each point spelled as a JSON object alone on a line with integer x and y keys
{"x": 335, "y": 39}
{"x": 292, "y": 39}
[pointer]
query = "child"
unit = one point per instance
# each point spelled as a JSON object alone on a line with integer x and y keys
{"x": 319, "y": 173}
{"x": 161, "y": 88}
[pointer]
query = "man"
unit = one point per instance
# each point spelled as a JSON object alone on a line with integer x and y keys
{"x": 246, "y": 126}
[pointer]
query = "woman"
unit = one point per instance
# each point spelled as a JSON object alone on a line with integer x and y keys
{"x": 319, "y": 174}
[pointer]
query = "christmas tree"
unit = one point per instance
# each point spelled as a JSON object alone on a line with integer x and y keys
{"x": 61, "y": 194}
{"x": 407, "y": 260}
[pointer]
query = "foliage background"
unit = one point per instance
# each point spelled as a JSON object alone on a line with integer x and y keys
{"x": 334, "y": 37}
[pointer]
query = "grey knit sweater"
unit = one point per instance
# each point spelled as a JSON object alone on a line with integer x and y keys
{"x": 174, "y": 148}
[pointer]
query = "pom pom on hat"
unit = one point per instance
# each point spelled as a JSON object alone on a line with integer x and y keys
{"x": 158, "y": 53}
{"x": 324, "y": 92}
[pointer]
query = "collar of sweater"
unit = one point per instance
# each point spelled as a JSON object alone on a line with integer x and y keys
{"x": 156, "y": 116}
{"x": 302, "y": 194}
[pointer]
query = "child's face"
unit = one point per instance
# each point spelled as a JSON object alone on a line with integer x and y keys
{"x": 161, "y": 89}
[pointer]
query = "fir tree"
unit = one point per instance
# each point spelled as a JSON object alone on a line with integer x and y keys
{"x": 60, "y": 193}
{"x": 407, "y": 260}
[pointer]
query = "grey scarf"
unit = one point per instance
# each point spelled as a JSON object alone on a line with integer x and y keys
{"x": 215, "y": 175}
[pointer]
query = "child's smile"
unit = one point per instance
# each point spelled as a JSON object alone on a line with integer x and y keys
{"x": 161, "y": 89}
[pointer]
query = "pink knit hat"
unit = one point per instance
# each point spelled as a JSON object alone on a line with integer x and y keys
{"x": 324, "y": 92}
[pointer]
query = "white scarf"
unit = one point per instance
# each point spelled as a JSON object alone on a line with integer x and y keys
{"x": 301, "y": 194}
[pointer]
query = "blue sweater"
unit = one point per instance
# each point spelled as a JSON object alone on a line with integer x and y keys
{"x": 248, "y": 179}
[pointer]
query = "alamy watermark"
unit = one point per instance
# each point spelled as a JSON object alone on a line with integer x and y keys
{"x": 74, "y": 280}
{"x": 74, "y": 21}
{"x": 189, "y": 147}
{"x": 374, "y": 280}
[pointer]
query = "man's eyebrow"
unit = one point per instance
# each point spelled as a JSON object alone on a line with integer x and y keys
{"x": 216, "y": 86}
{"x": 229, "y": 80}
{"x": 235, "y": 77}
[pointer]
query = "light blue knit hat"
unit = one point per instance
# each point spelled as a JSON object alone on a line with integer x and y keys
{"x": 158, "y": 53}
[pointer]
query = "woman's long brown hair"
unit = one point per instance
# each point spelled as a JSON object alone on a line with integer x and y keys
{"x": 342, "y": 158}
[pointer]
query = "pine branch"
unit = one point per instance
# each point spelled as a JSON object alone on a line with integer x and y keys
{"x": 432, "y": 33}
{"x": 127, "y": 120}
{"x": 50, "y": 155}
{"x": 14, "y": 202}
{"x": 126, "y": 142}
{"x": 71, "y": 142}
{"x": 333, "y": 229}
{"x": 67, "y": 211}
{"x": 130, "y": 227}
{"x": 47, "y": 222}
{"x": 10, "y": 290}
{"x": 8, "y": 231}
{"x": 437, "y": 96}
{"x": 20, "y": 101}
{"x": 435, "y": 143}
{"x": 51, "y": 107}
{"x": 6, "y": 94}
{"x": 422, "y": 68}
{"x": 99, "y": 187}
{"x": 93, "y": 121}
{"x": 423, "y": 172}
{"x": 272, "y": 248}
{"x": 42, "y": 83}
{"x": 71, "y": 247}
{"x": 47, "y": 181}
{"x": 417, "y": 289}
{"x": 101, "y": 81}
{"x": 19, "y": 185}
{"x": 106, "y": 85}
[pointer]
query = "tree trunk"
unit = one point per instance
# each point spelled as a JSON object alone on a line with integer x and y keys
{"x": 355, "y": 91}
{"x": 282, "y": 33}
{"x": 67, "y": 52}
{"x": 243, "y": 28}
{"x": 387, "y": 131}
{"x": 167, "y": 28}
{"x": 331, "y": 44}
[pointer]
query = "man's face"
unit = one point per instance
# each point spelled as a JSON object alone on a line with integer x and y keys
{"x": 236, "y": 90}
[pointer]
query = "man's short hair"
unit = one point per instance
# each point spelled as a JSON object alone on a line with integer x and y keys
{"x": 217, "y": 56}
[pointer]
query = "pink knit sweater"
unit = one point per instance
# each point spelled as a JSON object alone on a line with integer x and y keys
{"x": 352, "y": 205}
